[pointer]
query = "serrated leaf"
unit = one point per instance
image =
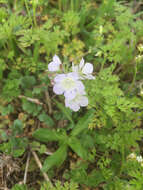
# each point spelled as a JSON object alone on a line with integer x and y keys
{"x": 46, "y": 135}
{"x": 56, "y": 159}
{"x": 77, "y": 147}
{"x": 83, "y": 123}
{"x": 95, "y": 178}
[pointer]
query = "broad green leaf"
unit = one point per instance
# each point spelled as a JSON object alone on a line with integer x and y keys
{"x": 42, "y": 149}
{"x": 18, "y": 145}
{"x": 17, "y": 127}
{"x": 18, "y": 152}
{"x": 46, "y": 135}
{"x": 6, "y": 110}
{"x": 83, "y": 123}
{"x": 77, "y": 147}
{"x": 31, "y": 107}
{"x": 28, "y": 81}
{"x": 65, "y": 111}
{"x": 46, "y": 119}
{"x": 56, "y": 159}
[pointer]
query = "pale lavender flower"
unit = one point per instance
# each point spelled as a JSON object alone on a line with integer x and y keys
{"x": 80, "y": 100}
{"x": 68, "y": 84}
{"x": 55, "y": 64}
{"x": 84, "y": 70}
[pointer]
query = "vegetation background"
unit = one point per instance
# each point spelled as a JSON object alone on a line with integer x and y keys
{"x": 43, "y": 144}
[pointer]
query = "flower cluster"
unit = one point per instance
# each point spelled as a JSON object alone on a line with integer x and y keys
{"x": 133, "y": 156}
{"x": 70, "y": 84}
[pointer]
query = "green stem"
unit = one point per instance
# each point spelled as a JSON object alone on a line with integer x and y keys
{"x": 60, "y": 5}
{"x": 77, "y": 4}
{"x": 65, "y": 5}
{"x": 72, "y": 5}
{"x": 34, "y": 14}
{"x": 134, "y": 77}
{"x": 135, "y": 74}
{"x": 102, "y": 64}
{"x": 28, "y": 11}
{"x": 15, "y": 5}
{"x": 123, "y": 158}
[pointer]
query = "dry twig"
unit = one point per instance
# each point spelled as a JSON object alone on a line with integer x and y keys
{"x": 26, "y": 168}
{"x": 48, "y": 102}
{"x": 40, "y": 166}
{"x": 34, "y": 100}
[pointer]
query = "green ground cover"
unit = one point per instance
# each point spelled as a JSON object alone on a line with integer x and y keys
{"x": 79, "y": 127}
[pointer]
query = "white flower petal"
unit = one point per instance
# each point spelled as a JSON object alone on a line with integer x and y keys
{"x": 59, "y": 77}
{"x": 58, "y": 89}
{"x": 83, "y": 101}
{"x": 87, "y": 69}
{"x": 80, "y": 87}
{"x": 52, "y": 66}
{"x": 90, "y": 77}
{"x": 73, "y": 75}
{"x": 81, "y": 64}
{"x": 70, "y": 94}
{"x": 57, "y": 60}
{"x": 67, "y": 103}
{"x": 139, "y": 158}
{"x": 74, "y": 68}
{"x": 73, "y": 106}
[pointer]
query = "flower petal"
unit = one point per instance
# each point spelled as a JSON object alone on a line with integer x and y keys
{"x": 87, "y": 69}
{"x": 90, "y": 77}
{"x": 74, "y": 68}
{"x": 80, "y": 87}
{"x": 73, "y": 106}
{"x": 59, "y": 77}
{"x": 73, "y": 75}
{"x": 81, "y": 64}
{"x": 52, "y": 66}
{"x": 83, "y": 101}
{"x": 57, "y": 60}
{"x": 58, "y": 89}
{"x": 70, "y": 94}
